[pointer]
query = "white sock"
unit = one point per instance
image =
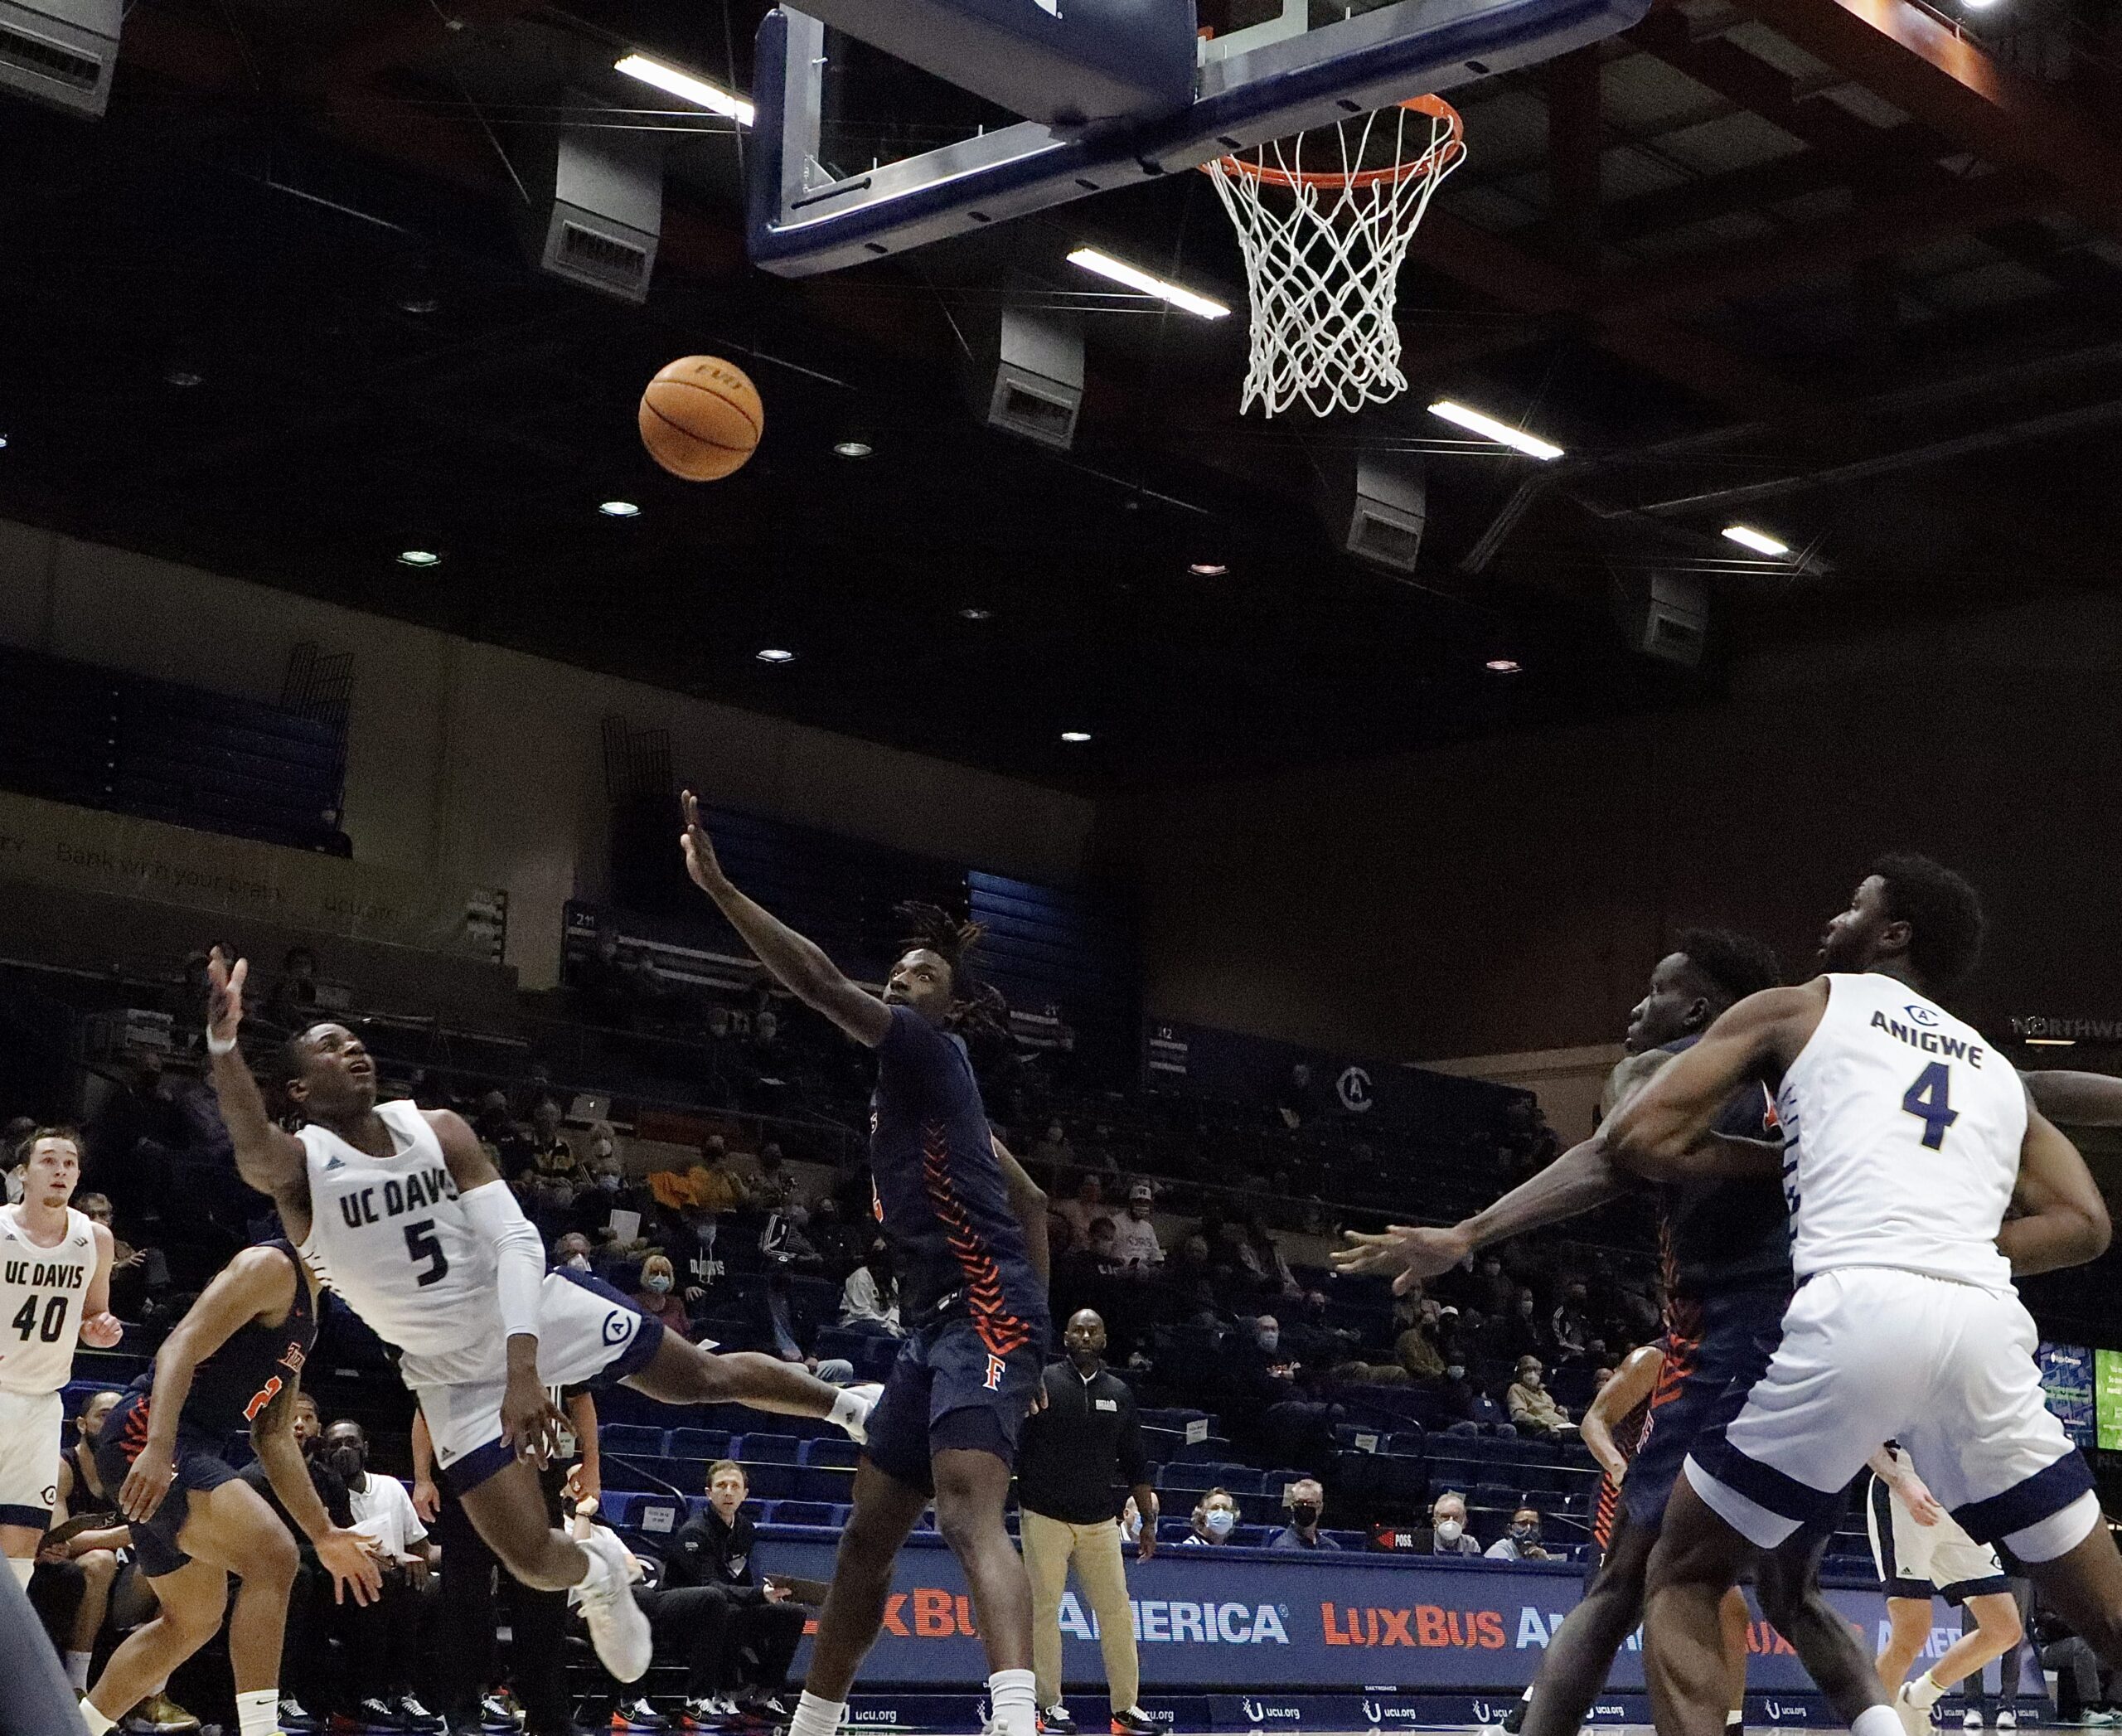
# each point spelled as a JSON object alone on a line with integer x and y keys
{"x": 22, "y": 1569}
{"x": 1013, "y": 1696}
{"x": 258, "y": 1713}
{"x": 1876, "y": 1721}
{"x": 77, "y": 1671}
{"x": 816, "y": 1717}
{"x": 1925, "y": 1691}
{"x": 97, "y": 1723}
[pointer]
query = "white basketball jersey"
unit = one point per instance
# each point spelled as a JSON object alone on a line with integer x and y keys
{"x": 390, "y": 1236}
{"x": 42, "y": 1291}
{"x": 1901, "y": 1131}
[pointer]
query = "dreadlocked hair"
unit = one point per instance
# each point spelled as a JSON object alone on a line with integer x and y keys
{"x": 979, "y": 1013}
{"x": 1735, "y": 965}
{"x": 934, "y": 929}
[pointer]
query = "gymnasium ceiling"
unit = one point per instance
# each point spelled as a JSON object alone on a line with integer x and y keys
{"x": 1849, "y": 269}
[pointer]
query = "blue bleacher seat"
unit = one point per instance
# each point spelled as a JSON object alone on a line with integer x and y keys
{"x": 1252, "y": 1537}
{"x": 771, "y": 1481}
{"x": 833, "y": 1449}
{"x": 765, "y": 1449}
{"x": 637, "y": 1439}
{"x": 802, "y": 1513}
{"x": 699, "y": 1443}
{"x": 822, "y": 1483}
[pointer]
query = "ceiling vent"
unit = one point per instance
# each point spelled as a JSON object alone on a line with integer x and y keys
{"x": 1665, "y": 617}
{"x": 1028, "y": 377}
{"x": 1376, "y": 507}
{"x": 60, "y": 52}
{"x": 597, "y": 208}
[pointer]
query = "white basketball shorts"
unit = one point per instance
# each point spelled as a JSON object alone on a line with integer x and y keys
{"x": 1871, "y": 1354}
{"x": 1913, "y": 1559}
{"x": 30, "y": 1446}
{"x": 587, "y": 1333}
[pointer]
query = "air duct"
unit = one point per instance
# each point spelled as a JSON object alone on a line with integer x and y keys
{"x": 60, "y": 51}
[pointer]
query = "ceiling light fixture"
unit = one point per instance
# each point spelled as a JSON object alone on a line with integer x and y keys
{"x": 3, "y": 442}
{"x": 183, "y": 377}
{"x": 1207, "y": 568}
{"x": 974, "y": 612}
{"x": 1477, "y": 422}
{"x": 418, "y": 557}
{"x": 1502, "y": 665}
{"x": 1759, "y": 541}
{"x": 853, "y": 449}
{"x": 1187, "y": 301}
{"x": 2051, "y": 1042}
{"x": 685, "y": 84}
{"x": 618, "y": 509}
{"x": 775, "y": 654}
{"x": 417, "y": 304}
{"x": 1075, "y": 738}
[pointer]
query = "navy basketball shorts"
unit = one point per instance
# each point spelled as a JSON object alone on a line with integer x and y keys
{"x": 1715, "y": 1348}
{"x": 200, "y": 1467}
{"x": 950, "y": 1388}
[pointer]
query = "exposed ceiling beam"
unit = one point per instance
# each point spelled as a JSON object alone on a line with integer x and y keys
{"x": 1954, "y": 86}
{"x": 413, "y": 34}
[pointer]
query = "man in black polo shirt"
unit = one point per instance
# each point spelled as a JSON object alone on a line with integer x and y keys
{"x": 1071, "y": 1456}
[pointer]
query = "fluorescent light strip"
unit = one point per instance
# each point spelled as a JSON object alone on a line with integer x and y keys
{"x": 685, "y": 84}
{"x": 1759, "y": 541}
{"x": 1178, "y": 294}
{"x": 1532, "y": 445}
{"x": 2051, "y": 1042}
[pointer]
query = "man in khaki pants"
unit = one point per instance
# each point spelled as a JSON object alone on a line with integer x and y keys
{"x": 1070, "y": 1459}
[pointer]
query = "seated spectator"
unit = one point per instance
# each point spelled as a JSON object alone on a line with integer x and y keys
{"x": 292, "y": 1003}
{"x": 1492, "y": 1291}
{"x": 552, "y": 1156}
{"x": 1520, "y": 1333}
{"x": 1262, "y": 1260}
{"x": 868, "y": 1300}
{"x": 381, "y": 1641}
{"x": 1261, "y": 1369}
{"x": 1214, "y": 1519}
{"x": 774, "y": 1189}
{"x": 1416, "y": 1346}
{"x": 70, "y": 1587}
{"x": 655, "y": 1299}
{"x": 1086, "y": 1208}
{"x": 1570, "y": 1327}
{"x": 1134, "y": 1242}
{"x": 1052, "y": 1149}
{"x": 574, "y": 1252}
{"x": 713, "y": 1605}
{"x": 1102, "y": 1255}
{"x": 304, "y": 1660}
{"x": 1532, "y": 1407}
{"x": 839, "y": 1240}
{"x": 716, "y": 1187}
{"x": 1522, "y": 1541}
{"x": 139, "y": 1277}
{"x": 1446, "y": 1533}
{"x": 1307, "y": 1501}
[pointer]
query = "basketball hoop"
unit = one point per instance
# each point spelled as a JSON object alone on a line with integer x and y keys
{"x": 1323, "y": 247}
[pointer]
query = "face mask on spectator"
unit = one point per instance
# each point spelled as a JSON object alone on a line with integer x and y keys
{"x": 609, "y": 1183}
{"x": 1456, "y": 1372}
{"x": 1220, "y": 1522}
{"x": 1304, "y": 1515}
{"x": 348, "y": 1459}
{"x": 578, "y": 1262}
{"x": 1448, "y": 1530}
{"x": 1525, "y": 1534}
{"x": 659, "y": 1284}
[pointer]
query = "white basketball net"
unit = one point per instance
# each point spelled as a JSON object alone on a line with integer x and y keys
{"x": 1323, "y": 250}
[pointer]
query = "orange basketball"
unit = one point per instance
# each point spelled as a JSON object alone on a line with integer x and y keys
{"x": 701, "y": 418}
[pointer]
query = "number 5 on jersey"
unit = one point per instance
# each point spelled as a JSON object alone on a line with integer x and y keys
{"x": 1930, "y": 1101}
{"x": 425, "y": 1250}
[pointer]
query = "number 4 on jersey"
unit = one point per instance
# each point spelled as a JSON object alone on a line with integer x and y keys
{"x": 1930, "y": 1101}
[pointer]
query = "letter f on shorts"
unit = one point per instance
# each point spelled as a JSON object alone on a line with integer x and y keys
{"x": 994, "y": 1371}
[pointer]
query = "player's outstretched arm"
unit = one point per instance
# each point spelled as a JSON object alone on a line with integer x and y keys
{"x": 2063, "y": 1219}
{"x": 529, "y": 1422}
{"x": 1028, "y": 1202}
{"x": 2076, "y": 1099}
{"x": 796, "y": 964}
{"x": 1630, "y": 1387}
{"x": 1665, "y": 1132}
{"x": 347, "y": 1555}
{"x": 266, "y": 1156}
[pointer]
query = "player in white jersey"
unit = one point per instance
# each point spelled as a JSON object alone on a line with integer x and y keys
{"x": 55, "y": 1288}
{"x": 1906, "y": 1138}
{"x": 402, "y": 1213}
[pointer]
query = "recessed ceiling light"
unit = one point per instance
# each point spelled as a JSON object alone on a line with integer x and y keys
{"x": 1075, "y": 737}
{"x": 618, "y": 509}
{"x": 183, "y": 377}
{"x": 3, "y": 442}
{"x": 418, "y": 303}
{"x": 775, "y": 654}
{"x": 1759, "y": 541}
{"x": 2052, "y": 1042}
{"x": 1501, "y": 666}
{"x": 853, "y": 449}
{"x": 1207, "y": 568}
{"x": 685, "y": 84}
{"x": 1480, "y": 423}
{"x": 974, "y": 612}
{"x": 418, "y": 557}
{"x": 1187, "y": 301}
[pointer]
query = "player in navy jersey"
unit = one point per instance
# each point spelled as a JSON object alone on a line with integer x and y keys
{"x": 235, "y": 1360}
{"x": 1725, "y": 1248}
{"x": 969, "y": 1227}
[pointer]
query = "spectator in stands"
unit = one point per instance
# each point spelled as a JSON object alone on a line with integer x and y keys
{"x": 1307, "y": 1501}
{"x": 574, "y": 1252}
{"x": 868, "y": 1300}
{"x": 1522, "y": 1541}
{"x": 2085, "y": 1685}
{"x": 716, "y": 1187}
{"x": 1521, "y": 1336}
{"x": 381, "y": 1640}
{"x": 834, "y": 1236}
{"x": 714, "y": 1601}
{"x": 1570, "y": 1328}
{"x": 1086, "y": 1208}
{"x": 292, "y": 1003}
{"x": 1416, "y": 1346}
{"x": 1263, "y": 1261}
{"x": 1297, "y": 1101}
{"x": 1492, "y": 1291}
{"x": 1446, "y": 1532}
{"x": 1532, "y": 1407}
{"x": 71, "y": 1585}
{"x": 1469, "y": 1409}
{"x": 655, "y": 1297}
{"x": 1102, "y": 1256}
{"x": 1134, "y": 1237}
{"x": 1052, "y": 1149}
{"x": 774, "y": 1189}
{"x": 1215, "y": 1518}
{"x": 139, "y": 1277}
{"x": 551, "y": 1155}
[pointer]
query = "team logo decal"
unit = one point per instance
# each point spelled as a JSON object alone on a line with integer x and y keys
{"x": 616, "y": 1327}
{"x": 995, "y": 1370}
{"x": 1921, "y": 1014}
{"x": 1353, "y": 1088}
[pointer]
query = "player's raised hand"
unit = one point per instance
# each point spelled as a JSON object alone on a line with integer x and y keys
{"x": 1410, "y": 1251}
{"x": 102, "y": 1332}
{"x": 701, "y": 859}
{"x": 224, "y": 983}
{"x": 350, "y": 1557}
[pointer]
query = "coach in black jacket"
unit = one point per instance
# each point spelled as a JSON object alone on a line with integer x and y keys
{"x": 711, "y": 1597}
{"x": 1071, "y": 1457}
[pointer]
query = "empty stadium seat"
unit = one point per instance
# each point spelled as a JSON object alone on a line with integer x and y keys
{"x": 823, "y": 1482}
{"x": 832, "y": 1450}
{"x": 801, "y": 1513}
{"x": 637, "y": 1439}
{"x": 698, "y": 1443}
{"x": 765, "y": 1449}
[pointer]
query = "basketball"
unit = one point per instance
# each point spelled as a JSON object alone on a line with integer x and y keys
{"x": 701, "y": 418}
